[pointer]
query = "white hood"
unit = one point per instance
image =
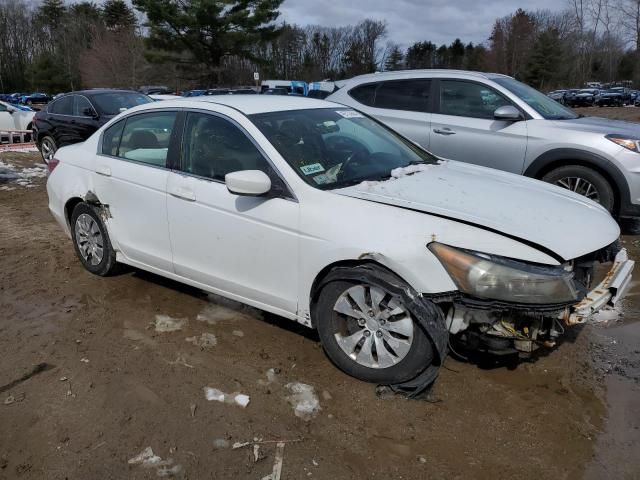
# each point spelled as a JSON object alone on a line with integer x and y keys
{"x": 559, "y": 220}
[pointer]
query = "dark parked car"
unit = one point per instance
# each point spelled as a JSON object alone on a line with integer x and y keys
{"x": 217, "y": 91}
{"x": 193, "y": 93}
{"x": 243, "y": 91}
{"x": 275, "y": 91}
{"x": 73, "y": 117}
{"x": 610, "y": 98}
{"x": 584, "y": 98}
{"x": 569, "y": 96}
{"x": 35, "y": 99}
{"x": 557, "y": 95}
{"x": 155, "y": 90}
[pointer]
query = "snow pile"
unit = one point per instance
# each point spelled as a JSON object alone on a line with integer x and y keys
{"x": 215, "y": 395}
{"x": 303, "y": 399}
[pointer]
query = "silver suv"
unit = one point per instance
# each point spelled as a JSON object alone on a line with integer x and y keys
{"x": 495, "y": 121}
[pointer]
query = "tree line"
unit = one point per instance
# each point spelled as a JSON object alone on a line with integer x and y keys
{"x": 58, "y": 46}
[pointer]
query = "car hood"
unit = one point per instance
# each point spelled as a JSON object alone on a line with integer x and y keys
{"x": 600, "y": 125}
{"x": 538, "y": 213}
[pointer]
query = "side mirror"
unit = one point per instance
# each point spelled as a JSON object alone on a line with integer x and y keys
{"x": 11, "y": 110}
{"x": 253, "y": 183}
{"x": 508, "y": 113}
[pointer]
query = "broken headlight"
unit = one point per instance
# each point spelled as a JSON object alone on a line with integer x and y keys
{"x": 499, "y": 278}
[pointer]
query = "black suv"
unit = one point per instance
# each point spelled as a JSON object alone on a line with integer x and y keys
{"x": 73, "y": 117}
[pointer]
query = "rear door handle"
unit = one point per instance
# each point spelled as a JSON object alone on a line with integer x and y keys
{"x": 183, "y": 193}
{"x": 444, "y": 131}
{"x": 106, "y": 171}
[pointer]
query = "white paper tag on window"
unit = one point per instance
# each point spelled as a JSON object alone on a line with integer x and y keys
{"x": 349, "y": 114}
{"x": 311, "y": 169}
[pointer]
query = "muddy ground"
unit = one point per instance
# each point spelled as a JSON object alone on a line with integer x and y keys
{"x": 87, "y": 383}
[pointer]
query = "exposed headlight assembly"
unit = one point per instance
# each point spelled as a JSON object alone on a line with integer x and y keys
{"x": 629, "y": 143}
{"x": 492, "y": 277}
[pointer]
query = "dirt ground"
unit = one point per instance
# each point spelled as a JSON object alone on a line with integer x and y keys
{"x": 87, "y": 383}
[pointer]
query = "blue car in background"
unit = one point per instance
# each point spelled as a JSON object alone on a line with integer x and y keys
{"x": 35, "y": 98}
{"x": 193, "y": 93}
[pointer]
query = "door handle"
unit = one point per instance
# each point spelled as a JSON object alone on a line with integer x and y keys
{"x": 183, "y": 193}
{"x": 106, "y": 171}
{"x": 444, "y": 131}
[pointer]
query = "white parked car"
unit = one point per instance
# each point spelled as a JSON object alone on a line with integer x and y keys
{"x": 314, "y": 212}
{"x": 14, "y": 117}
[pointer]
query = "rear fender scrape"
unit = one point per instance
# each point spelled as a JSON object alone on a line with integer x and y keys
{"x": 102, "y": 209}
{"x": 428, "y": 316}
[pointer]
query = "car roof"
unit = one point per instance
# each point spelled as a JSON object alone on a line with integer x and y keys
{"x": 435, "y": 72}
{"x": 251, "y": 104}
{"x": 94, "y": 91}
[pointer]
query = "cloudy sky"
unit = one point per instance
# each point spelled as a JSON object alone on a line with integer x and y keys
{"x": 440, "y": 21}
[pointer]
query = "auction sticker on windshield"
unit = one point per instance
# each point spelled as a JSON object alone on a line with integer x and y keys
{"x": 311, "y": 169}
{"x": 349, "y": 114}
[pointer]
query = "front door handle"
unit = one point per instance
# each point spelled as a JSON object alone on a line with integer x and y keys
{"x": 183, "y": 193}
{"x": 444, "y": 131}
{"x": 106, "y": 171}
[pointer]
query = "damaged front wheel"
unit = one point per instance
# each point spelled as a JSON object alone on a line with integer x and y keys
{"x": 370, "y": 333}
{"x": 91, "y": 240}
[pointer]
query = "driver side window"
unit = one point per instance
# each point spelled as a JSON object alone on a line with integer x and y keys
{"x": 469, "y": 99}
{"x": 213, "y": 146}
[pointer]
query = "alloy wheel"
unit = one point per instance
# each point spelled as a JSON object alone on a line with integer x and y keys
{"x": 89, "y": 239}
{"x": 375, "y": 329}
{"x": 580, "y": 186}
{"x": 48, "y": 149}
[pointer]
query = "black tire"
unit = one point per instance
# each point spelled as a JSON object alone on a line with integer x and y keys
{"x": 107, "y": 264}
{"x": 419, "y": 356}
{"x": 47, "y": 140}
{"x": 606, "y": 196}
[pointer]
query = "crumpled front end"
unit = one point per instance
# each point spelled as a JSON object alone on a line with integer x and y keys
{"x": 502, "y": 327}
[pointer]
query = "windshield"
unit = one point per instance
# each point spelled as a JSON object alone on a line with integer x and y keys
{"x": 112, "y": 103}
{"x": 545, "y": 106}
{"x": 333, "y": 148}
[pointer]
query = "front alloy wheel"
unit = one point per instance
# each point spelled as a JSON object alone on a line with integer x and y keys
{"x": 585, "y": 181}
{"x": 374, "y": 329}
{"x": 370, "y": 333}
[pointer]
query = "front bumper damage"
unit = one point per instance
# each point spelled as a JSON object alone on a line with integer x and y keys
{"x": 499, "y": 328}
{"x": 608, "y": 292}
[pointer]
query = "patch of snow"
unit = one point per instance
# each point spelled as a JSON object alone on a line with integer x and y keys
{"x": 605, "y": 315}
{"x": 237, "y": 333}
{"x": 21, "y": 176}
{"x": 221, "y": 309}
{"x": 220, "y": 443}
{"x": 165, "y": 323}
{"x": 215, "y": 395}
{"x": 206, "y": 340}
{"x": 410, "y": 170}
{"x": 148, "y": 459}
{"x": 303, "y": 399}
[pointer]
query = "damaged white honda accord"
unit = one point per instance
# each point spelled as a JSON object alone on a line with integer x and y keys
{"x": 317, "y": 213}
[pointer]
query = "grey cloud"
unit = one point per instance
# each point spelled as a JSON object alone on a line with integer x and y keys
{"x": 409, "y": 21}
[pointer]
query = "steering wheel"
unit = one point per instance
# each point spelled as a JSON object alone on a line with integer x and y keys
{"x": 351, "y": 158}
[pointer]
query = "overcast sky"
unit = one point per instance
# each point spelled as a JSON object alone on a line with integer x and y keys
{"x": 440, "y": 21}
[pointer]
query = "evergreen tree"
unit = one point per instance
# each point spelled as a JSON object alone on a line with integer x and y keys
{"x": 544, "y": 62}
{"x": 118, "y": 15}
{"x": 210, "y": 29}
{"x": 395, "y": 59}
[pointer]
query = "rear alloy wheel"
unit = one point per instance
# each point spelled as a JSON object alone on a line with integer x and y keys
{"x": 584, "y": 181}
{"x": 371, "y": 334}
{"x": 91, "y": 240}
{"x": 47, "y": 148}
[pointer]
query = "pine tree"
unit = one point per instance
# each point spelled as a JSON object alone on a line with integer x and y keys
{"x": 395, "y": 59}
{"x": 118, "y": 15}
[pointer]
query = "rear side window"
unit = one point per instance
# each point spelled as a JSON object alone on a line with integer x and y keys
{"x": 410, "y": 95}
{"x": 62, "y": 106}
{"x": 111, "y": 139}
{"x": 145, "y": 138}
{"x": 365, "y": 94}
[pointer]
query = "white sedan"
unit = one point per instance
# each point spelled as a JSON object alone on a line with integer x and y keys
{"x": 13, "y": 117}
{"x": 317, "y": 213}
